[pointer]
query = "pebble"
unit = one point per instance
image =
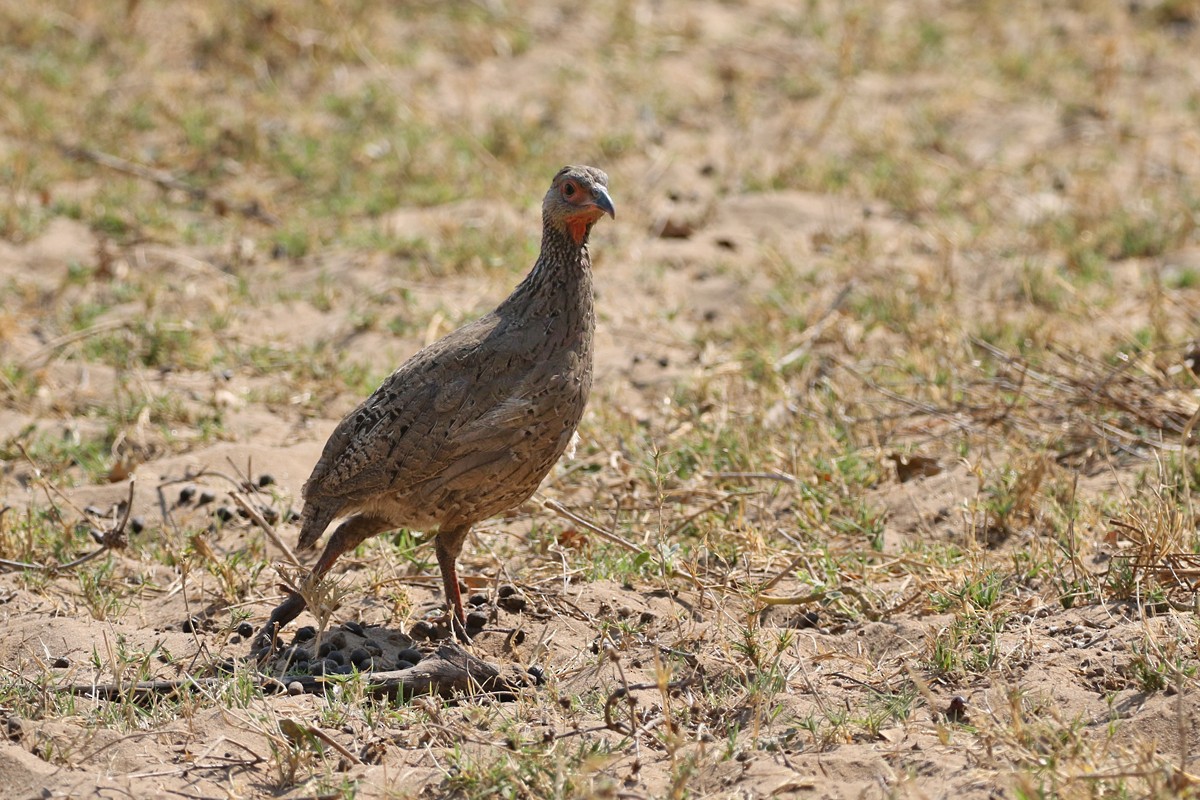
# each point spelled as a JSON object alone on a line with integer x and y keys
{"x": 189, "y": 625}
{"x": 514, "y": 603}
{"x": 421, "y": 630}
{"x": 187, "y": 494}
{"x": 245, "y": 630}
{"x": 60, "y": 663}
{"x": 224, "y": 513}
{"x": 206, "y": 497}
{"x": 266, "y": 479}
{"x": 477, "y": 599}
{"x": 137, "y": 524}
{"x": 410, "y": 654}
{"x": 476, "y": 620}
{"x": 506, "y": 590}
{"x": 295, "y": 687}
{"x": 294, "y": 655}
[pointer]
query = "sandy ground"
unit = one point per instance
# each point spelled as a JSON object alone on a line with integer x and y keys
{"x": 806, "y": 709}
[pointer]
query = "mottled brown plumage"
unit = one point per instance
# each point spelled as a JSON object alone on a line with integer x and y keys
{"x": 468, "y": 427}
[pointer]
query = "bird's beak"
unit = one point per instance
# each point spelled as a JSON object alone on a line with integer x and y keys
{"x": 602, "y": 201}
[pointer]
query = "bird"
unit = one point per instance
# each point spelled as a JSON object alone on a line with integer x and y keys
{"x": 469, "y": 426}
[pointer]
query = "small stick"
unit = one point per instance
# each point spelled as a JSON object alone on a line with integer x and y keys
{"x": 267, "y": 528}
{"x": 47, "y": 351}
{"x": 562, "y": 511}
{"x": 297, "y": 732}
{"x": 165, "y": 180}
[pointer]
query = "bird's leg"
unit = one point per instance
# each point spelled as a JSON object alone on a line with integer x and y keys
{"x": 449, "y": 544}
{"x": 349, "y": 535}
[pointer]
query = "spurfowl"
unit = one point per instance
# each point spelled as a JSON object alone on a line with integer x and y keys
{"x": 468, "y": 427}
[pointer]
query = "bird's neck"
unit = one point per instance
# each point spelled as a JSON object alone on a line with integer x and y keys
{"x": 560, "y": 283}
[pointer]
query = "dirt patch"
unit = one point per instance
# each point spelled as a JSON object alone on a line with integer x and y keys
{"x": 889, "y": 449}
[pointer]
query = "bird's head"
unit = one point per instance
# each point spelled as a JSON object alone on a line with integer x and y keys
{"x": 578, "y": 197}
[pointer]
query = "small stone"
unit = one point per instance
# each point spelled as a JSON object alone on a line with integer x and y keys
{"x": 235, "y": 639}
{"x": 190, "y": 625}
{"x": 323, "y": 666}
{"x": 514, "y": 603}
{"x": 137, "y": 525}
{"x": 206, "y": 497}
{"x": 410, "y": 654}
{"x": 294, "y": 655}
{"x": 506, "y": 590}
{"x": 476, "y": 620}
{"x": 224, "y": 513}
{"x": 305, "y": 633}
{"x": 477, "y": 599}
{"x": 60, "y": 663}
{"x": 266, "y": 479}
{"x": 186, "y": 495}
{"x": 353, "y": 627}
{"x": 421, "y": 630}
{"x": 295, "y": 688}
{"x": 646, "y": 618}
{"x": 245, "y": 630}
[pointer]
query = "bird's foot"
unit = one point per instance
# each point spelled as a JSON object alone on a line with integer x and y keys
{"x": 267, "y": 640}
{"x": 459, "y": 629}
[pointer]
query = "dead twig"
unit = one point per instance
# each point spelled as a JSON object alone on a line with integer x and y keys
{"x": 165, "y": 180}
{"x": 449, "y": 671}
{"x": 558, "y": 508}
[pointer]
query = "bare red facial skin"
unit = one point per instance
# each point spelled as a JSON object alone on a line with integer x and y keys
{"x": 577, "y": 226}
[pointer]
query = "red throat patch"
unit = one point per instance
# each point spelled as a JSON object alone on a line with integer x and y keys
{"x": 577, "y": 226}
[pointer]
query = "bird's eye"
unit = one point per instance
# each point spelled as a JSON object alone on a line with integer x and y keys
{"x": 568, "y": 189}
